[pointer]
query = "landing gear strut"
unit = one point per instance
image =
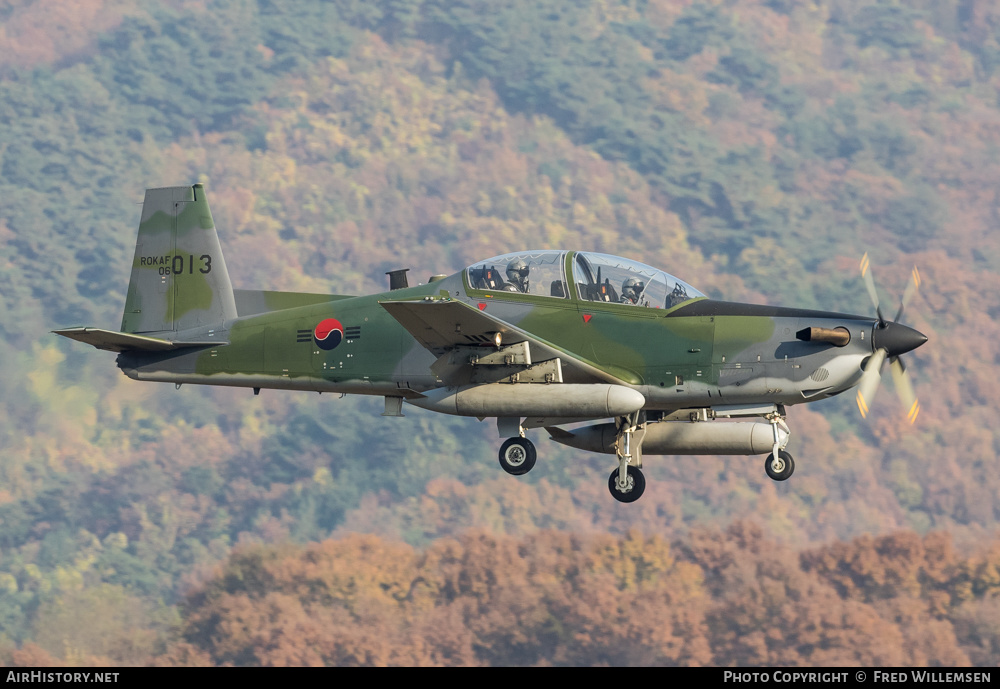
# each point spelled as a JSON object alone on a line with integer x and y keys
{"x": 779, "y": 465}
{"x": 627, "y": 483}
{"x": 517, "y": 456}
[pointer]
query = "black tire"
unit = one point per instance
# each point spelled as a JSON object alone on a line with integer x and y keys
{"x": 637, "y": 484}
{"x": 781, "y": 469}
{"x": 517, "y": 456}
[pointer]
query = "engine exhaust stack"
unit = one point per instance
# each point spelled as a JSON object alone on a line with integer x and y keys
{"x": 839, "y": 337}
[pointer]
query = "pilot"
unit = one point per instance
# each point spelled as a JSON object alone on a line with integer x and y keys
{"x": 517, "y": 276}
{"x": 632, "y": 291}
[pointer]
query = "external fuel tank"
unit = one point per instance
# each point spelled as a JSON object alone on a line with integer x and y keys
{"x": 680, "y": 438}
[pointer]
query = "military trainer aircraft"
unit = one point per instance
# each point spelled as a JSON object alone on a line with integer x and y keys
{"x": 536, "y": 339}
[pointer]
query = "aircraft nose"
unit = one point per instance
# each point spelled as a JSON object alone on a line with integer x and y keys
{"x": 897, "y": 339}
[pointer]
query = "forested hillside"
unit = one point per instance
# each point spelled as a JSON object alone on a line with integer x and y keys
{"x": 755, "y": 148}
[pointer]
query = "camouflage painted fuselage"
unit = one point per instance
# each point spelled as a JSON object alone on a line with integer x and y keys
{"x": 560, "y": 324}
{"x": 700, "y": 354}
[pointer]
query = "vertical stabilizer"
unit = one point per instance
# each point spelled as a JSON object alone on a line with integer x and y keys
{"x": 179, "y": 277}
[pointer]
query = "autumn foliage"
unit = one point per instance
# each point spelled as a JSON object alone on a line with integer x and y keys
{"x": 755, "y": 148}
{"x": 728, "y": 597}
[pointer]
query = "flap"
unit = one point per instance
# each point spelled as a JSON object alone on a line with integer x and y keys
{"x": 113, "y": 341}
{"x": 442, "y": 324}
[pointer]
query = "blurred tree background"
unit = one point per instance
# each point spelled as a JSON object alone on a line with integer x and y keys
{"x": 756, "y": 148}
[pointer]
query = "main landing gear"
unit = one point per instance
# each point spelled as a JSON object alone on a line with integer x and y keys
{"x": 631, "y": 490}
{"x": 627, "y": 483}
{"x": 517, "y": 456}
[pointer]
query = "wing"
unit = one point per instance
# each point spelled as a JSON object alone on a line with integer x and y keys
{"x": 463, "y": 339}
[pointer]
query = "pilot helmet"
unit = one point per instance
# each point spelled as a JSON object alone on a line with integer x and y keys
{"x": 632, "y": 289}
{"x": 517, "y": 271}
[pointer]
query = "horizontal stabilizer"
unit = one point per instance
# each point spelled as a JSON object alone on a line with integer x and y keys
{"x": 119, "y": 342}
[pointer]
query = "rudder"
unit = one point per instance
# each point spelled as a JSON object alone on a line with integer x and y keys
{"x": 179, "y": 277}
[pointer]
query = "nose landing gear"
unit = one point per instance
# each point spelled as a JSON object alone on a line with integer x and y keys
{"x": 779, "y": 465}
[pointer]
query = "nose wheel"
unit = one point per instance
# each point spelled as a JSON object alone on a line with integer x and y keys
{"x": 779, "y": 467}
{"x": 517, "y": 456}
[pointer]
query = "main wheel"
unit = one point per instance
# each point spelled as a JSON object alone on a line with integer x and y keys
{"x": 781, "y": 468}
{"x": 517, "y": 456}
{"x": 635, "y": 485}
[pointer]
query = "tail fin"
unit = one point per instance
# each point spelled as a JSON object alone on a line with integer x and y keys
{"x": 179, "y": 278}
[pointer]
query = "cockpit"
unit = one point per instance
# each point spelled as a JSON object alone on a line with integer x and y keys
{"x": 593, "y": 277}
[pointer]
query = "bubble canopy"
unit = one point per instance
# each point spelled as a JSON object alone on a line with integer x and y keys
{"x": 597, "y": 277}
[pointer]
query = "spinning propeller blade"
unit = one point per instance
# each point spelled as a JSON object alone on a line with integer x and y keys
{"x": 866, "y": 274}
{"x": 911, "y": 289}
{"x": 870, "y": 380}
{"x": 890, "y": 339}
{"x": 904, "y": 388}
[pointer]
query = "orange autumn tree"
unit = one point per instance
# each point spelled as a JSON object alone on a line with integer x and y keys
{"x": 731, "y": 598}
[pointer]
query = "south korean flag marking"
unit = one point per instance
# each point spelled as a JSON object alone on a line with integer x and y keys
{"x": 328, "y": 334}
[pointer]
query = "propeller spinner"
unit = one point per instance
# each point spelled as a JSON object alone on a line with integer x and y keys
{"x": 890, "y": 339}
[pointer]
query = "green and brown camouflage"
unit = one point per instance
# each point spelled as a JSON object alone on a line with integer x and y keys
{"x": 554, "y": 343}
{"x": 179, "y": 277}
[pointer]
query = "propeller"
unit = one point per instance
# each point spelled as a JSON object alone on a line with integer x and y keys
{"x": 890, "y": 339}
